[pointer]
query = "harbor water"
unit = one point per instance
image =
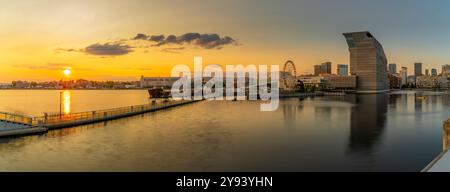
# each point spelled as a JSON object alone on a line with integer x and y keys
{"x": 379, "y": 132}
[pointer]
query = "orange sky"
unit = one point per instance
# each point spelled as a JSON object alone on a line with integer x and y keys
{"x": 36, "y": 36}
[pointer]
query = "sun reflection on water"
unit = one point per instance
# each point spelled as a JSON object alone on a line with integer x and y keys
{"x": 66, "y": 101}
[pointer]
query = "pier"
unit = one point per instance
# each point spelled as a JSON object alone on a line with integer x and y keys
{"x": 16, "y": 125}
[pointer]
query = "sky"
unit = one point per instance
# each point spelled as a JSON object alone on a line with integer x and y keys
{"x": 98, "y": 39}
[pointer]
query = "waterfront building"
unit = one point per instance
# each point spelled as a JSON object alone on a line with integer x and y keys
{"x": 404, "y": 75}
{"x": 392, "y": 68}
{"x": 433, "y": 72}
{"x": 417, "y": 69}
{"x": 157, "y": 82}
{"x": 368, "y": 62}
{"x": 5, "y": 85}
{"x": 445, "y": 70}
{"x": 342, "y": 70}
{"x": 341, "y": 82}
{"x": 431, "y": 82}
{"x": 317, "y": 70}
{"x": 411, "y": 79}
{"x": 316, "y": 81}
{"x": 395, "y": 81}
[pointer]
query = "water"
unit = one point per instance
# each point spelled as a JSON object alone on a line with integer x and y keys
{"x": 396, "y": 132}
{"x": 36, "y": 102}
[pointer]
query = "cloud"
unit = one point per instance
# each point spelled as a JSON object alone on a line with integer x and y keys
{"x": 108, "y": 49}
{"x": 207, "y": 41}
{"x": 156, "y": 38}
{"x": 140, "y": 36}
{"x": 173, "y": 49}
{"x": 124, "y": 46}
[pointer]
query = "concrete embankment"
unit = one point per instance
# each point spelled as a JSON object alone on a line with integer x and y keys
{"x": 314, "y": 94}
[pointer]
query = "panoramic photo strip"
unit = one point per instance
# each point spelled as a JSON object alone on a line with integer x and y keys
{"x": 235, "y": 95}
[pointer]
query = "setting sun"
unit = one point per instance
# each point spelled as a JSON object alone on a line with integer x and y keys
{"x": 67, "y": 72}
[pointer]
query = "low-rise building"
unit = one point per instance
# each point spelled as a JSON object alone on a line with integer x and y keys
{"x": 157, "y": 82}
{"x": 315, "y": 81}
{"x": 341, "y": 82}
{"x": 5, "y": 85}
{"x": 395, "y": 80}
{"x": 431, "y": 82}
{"x": 411, "y": 80}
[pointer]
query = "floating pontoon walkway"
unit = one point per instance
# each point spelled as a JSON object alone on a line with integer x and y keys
{"x": 16, "y": 125}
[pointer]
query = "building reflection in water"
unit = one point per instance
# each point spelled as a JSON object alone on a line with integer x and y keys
{"x": 66, "y": 101}
{"x": 291, "y": 108}
{"x": 368, "y": 119}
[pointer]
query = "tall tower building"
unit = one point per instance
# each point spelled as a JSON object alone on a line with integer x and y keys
{"x": 427, "y": 72}
{"x": 368, "y": 62}
{"x": 433, "y": 72}
{"x": 326, "y": 68}
{"x": 317, "y": 70}
{"x": 417, "y": 69}
{"x": 404, "y": 75}
{"x": 392, "y": 68}
{"x": 342, "y": 70}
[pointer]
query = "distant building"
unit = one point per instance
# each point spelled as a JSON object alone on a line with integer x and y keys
{"x": 404, "y": 75}
{"x": 341, "y": 82}
{"x": 312, "y": 80}
{"x": 5, "y": 85}
{"x": 395, "y": 81}
{"x": 325, "y": 68}
{"x": 411, "y": 80}
{"x": 392, "y": 68}
{"x": 445, "y": 70}
{"x": 342, "y": 70}
{"x": 433, "y": 72}
{"x": 157, "y": 82}
{"x": 417, "y": 69}
{"x": 431, "y": 82}
{"x": 427, "y": 72}
{"x": 368, "y": 62}
{"x": 317, "y": 70}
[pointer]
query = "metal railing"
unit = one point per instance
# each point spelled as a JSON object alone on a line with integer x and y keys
{"x": 105, "y": 114}
{"x": 15, "y": 118}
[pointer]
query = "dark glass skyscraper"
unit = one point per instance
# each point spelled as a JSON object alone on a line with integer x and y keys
{"x": 392, "y": 68}
{"x": 417, "y": 69}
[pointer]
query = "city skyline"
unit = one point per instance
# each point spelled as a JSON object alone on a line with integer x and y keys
{"x": 99, "y": 39}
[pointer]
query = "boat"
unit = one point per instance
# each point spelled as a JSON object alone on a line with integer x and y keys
{"x": 158, "y": 93}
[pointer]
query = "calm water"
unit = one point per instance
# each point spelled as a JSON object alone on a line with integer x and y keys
{"x": 36, "y": 102}
{"x": 395, "y": 132}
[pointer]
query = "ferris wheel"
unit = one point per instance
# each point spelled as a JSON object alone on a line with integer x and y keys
{"x": 290, "y": 75}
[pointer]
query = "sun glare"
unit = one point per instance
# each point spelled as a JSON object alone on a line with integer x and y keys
{"x": 67, "y": 72}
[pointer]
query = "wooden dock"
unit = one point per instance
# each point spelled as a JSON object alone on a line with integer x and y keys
{"x": 15, "y": 125}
